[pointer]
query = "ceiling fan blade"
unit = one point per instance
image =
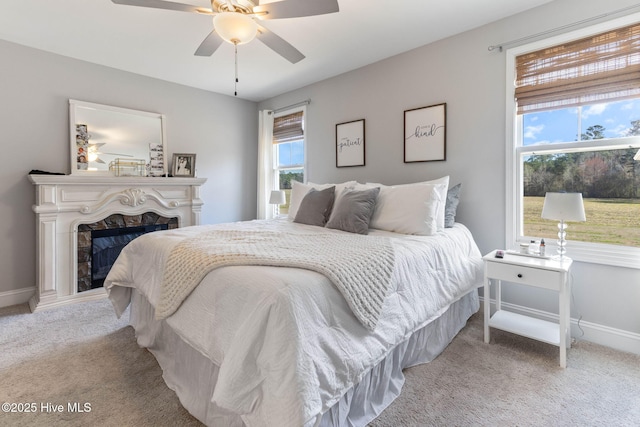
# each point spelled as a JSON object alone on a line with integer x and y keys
{"x": 296, "y": 8}
{"x": 162, "y": 4}
{"x": 279, "y": 45}
{"x": 209, "y": 44}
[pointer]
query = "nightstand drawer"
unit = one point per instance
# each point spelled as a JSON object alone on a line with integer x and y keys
{"x": 524, "y": 275}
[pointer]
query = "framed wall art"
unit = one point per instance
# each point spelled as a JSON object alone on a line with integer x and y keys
{"x": 425, "y": 134}
{"x": 350, "y": 144}
{"x": 183, "y": 165}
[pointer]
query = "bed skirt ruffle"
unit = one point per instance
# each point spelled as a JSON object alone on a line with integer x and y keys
{"x": 193, "y": 376}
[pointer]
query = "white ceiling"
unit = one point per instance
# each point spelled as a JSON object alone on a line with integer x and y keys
{"x": 161, "y": 43}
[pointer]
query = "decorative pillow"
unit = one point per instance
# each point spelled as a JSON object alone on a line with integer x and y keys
{"x": 353, "y": 211}
{"x": 299, "y": 190}
{"x": 453, "y": 198}
{"x": 408, "y": 209}
{"x": 315, "y": 207}
{"x": 340, "y": 188}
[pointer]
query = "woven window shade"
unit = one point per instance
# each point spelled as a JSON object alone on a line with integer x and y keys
{"x": 601, "y": 68}
{"x": 288, "y": 128}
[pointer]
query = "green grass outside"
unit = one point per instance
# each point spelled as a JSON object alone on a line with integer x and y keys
{"x": 284, "y": 209}
{"x": 610, "y": 221}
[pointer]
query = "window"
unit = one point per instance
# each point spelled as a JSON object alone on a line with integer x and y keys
{"x": 288, "y": 152}
{"x": 576, "y": 128}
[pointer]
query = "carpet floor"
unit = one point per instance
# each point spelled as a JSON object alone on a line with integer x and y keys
{"x": 80, "y": 366}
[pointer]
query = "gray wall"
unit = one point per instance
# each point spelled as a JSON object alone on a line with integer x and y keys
{"x": 471, "y": 80}
{"x": 35, "y": 87}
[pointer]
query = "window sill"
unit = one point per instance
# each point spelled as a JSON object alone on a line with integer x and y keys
{"x": 612, "y": 255}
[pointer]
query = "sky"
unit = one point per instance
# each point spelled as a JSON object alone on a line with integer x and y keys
{"x": 562, "y": 125}
{"x": 291, "y": 153}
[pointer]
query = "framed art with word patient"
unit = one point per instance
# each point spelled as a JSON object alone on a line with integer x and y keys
{"x": 350, "y": 144}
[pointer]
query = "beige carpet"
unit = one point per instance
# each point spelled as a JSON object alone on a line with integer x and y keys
{"x": 82, "y": 354}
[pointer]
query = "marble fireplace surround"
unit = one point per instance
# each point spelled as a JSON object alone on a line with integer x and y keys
{"x": 65, "y": 202}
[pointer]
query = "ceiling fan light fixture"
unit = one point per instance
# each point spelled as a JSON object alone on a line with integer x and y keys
{"x": 234, "y": 27}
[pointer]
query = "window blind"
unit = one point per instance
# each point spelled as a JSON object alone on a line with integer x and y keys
{"x": 288, "y": 128}
{"x": 600, "y": 68}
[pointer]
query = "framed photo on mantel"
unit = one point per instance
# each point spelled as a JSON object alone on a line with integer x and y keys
{"x": 425, "y": 134}
{"x": 183, "y": 165}
{"x": 350, "y": 144}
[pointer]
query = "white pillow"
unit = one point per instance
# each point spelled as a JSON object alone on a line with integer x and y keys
{"x": 408, "y": 209}
{"x": 442, "y": 185}
{"x": 367, "y": 186}
{"x": 299, "y": 190}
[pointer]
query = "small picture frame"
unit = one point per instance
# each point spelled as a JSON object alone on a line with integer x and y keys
{"x": 183, "y": 165}
{"x": 425, "y": 134}
{"x": 350, "y": 150}
{"x": 156, "y": 160}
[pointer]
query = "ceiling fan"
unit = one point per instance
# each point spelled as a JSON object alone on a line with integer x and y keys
{"x": 93, "y": 152}
{"x": 236, "y": 21}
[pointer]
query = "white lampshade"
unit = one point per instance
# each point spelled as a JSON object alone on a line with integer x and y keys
{"x": 234, "y": 27}
{"x": 563, "y": 207}
{"x": 277, "y": 198}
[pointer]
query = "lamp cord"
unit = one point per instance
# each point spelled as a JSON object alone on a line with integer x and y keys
{"x": 573, "y": 300}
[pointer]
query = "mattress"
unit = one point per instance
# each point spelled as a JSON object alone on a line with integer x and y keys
{"x": 282, "y": 345}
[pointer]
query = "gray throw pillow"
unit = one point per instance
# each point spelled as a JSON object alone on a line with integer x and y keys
{"x": 354, "y": 211}
{"x": 453, "y": 198}
{"x": 315, "y": 207}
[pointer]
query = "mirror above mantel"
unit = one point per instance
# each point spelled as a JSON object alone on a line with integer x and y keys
{"x": 107, "y": 140}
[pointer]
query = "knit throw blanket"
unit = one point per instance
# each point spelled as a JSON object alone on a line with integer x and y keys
{"x": 359, "y": 266}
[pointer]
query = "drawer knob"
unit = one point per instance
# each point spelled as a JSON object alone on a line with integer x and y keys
{"x": 520, "y": 275}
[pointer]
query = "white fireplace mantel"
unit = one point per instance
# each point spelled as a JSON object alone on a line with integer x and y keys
{"x": 65, "y": 201}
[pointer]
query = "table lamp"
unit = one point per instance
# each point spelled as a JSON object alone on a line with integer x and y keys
{"x": 277, "y": 198}
{"x": 563, "y": 207}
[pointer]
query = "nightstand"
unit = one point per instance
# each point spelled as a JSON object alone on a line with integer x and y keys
{"x": 531, "y": 271}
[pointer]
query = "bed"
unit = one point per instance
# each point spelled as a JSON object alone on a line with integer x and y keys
{"x": 259, "y": 341}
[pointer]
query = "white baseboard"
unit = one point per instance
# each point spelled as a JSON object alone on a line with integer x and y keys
{"x": 580, "y": 329}
{"x": 585, "y": 331}
{"x": 16, "y": 296}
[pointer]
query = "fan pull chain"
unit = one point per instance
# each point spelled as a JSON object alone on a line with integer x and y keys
{"x": 235, "y": 93}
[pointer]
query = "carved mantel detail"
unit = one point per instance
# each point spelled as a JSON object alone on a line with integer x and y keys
{"x": 133, "y": 197}
{"x": 64, "y": 202}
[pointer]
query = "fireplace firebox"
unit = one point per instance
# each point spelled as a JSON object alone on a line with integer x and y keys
{"x": 106, "y": 245}
{"x": 100, "y": 243}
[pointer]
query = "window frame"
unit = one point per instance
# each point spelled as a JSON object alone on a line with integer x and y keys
{"x": 598, "y": 253}
{"x": 275, "y": 171}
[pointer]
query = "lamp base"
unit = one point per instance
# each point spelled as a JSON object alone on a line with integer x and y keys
{"x": 562, "y": 243}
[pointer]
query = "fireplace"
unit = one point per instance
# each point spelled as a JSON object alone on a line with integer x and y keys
{"x": 71, "y": 211}
{"x": 99, "y": 243}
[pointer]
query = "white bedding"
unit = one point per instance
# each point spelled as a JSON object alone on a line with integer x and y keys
{"x": 359, "y": 266}
{"x": 286, "y": 343}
